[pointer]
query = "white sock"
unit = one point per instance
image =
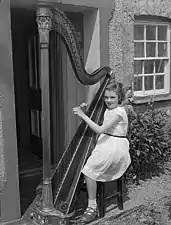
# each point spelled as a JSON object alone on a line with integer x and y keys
{"x": 92, "y": 203}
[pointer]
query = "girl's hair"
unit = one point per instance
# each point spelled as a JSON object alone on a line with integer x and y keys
{"x": 118, "y": 88}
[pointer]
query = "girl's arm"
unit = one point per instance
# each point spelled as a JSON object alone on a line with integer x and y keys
{"x": 94, "y": 126}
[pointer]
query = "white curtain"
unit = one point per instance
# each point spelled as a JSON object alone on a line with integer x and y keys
{"x": 74, "y": 93}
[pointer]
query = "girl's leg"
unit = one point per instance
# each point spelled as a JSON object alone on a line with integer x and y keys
{"x": 91, "y": 211}
{"x": 92, "y": 191}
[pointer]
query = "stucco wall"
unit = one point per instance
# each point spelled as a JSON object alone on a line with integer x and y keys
{"x": 152, "y": 7}
{"x": 121, "y": 41}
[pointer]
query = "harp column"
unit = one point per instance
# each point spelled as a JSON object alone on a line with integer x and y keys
{"x": 45, "y": 210}
{"x": 44, "y": 27}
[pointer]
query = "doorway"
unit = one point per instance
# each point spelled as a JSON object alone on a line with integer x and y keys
{"x": 27, "y": 102}
{"x": 66, "y": 92}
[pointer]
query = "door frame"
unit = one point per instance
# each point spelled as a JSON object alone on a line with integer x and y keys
{"x": 9, "y": 210}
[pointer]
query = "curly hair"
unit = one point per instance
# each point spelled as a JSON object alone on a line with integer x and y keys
{"x": 118, "y": 88}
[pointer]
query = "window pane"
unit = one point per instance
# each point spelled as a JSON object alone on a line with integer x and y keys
{"x": 139, "y": 49}
{"x": 160, "y": 82}
{"x": 139, "y": 32}
{"x": 162, "y": 49}
{"x": 162, "y": 33}
{"x": 137, "y": 83}
{"x": 35, "y": 120}
{"x": 160, "y": 66}
{"x": 149, "y": 83}
{"x": 151, "y": 32}
{"x": 151, "y": 49}
{"x": 138, "y": 65}
{"x": 149, "y": 66}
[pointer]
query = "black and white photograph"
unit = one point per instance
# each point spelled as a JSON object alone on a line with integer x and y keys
{"x": 85, "y": 112}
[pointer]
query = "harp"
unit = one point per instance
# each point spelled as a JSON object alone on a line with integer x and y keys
{"x": 67, "y": 175}
{"x": 67, "y": 178}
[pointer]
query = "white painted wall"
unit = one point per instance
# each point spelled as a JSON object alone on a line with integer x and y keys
{"x": 92, "y": 47}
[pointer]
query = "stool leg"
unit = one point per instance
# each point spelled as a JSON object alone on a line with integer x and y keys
{"x": 101, "y": 199}
{"x": 120, "y": 193}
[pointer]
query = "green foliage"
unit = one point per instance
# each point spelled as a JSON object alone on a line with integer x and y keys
{"x": 150, "y": 143}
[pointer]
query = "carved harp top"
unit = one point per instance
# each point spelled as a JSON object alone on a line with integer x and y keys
{"x": 62, "y": 25}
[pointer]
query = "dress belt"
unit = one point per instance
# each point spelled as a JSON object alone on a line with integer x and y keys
{"x": 115, "y": 135}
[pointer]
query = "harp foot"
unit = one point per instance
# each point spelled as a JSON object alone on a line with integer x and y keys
{"x": 50, "y": 216}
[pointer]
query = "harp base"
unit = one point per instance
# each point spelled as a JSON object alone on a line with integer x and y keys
{"x": 52, "y": 217}
{"x": 45, "y": 213}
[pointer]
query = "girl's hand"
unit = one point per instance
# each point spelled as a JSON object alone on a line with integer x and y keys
{"x": 78, "y": 111}
{"x": 84, "y": 106}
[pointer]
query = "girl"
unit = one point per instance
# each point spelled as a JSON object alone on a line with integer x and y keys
{"x": 110, "y": 158}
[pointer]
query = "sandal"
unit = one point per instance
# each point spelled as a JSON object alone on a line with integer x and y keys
{"x": 89, "y": 215}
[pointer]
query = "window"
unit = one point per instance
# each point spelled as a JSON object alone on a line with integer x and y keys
{"x": 151, "y": 58}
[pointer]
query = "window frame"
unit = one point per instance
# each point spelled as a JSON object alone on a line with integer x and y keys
{"x": 166, "y": 89}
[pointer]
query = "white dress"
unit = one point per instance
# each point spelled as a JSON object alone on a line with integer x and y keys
{"x": 110, "y": 157}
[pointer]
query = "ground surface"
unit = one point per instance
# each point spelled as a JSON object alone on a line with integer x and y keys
{"x": 148, "y": 203}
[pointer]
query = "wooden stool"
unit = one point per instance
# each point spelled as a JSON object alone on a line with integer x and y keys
{"x": 101, "y": 194}
{"x": 102, "y": 198}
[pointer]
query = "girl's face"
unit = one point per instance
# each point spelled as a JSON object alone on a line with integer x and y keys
{"x": 111, "y": 99}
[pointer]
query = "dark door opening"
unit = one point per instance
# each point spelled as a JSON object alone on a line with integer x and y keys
{"x": 27, "y": 102}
